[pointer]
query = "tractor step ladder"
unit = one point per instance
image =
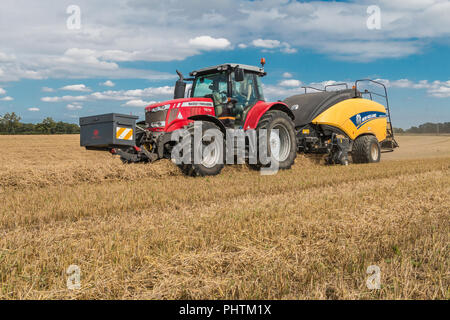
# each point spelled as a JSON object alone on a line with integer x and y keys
{"x": 389, "y": 144}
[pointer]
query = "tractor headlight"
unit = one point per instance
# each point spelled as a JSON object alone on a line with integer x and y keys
{"x": 161, "y": 108}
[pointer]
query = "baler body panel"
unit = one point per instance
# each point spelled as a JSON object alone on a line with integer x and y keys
{"x": 356, "y": 117}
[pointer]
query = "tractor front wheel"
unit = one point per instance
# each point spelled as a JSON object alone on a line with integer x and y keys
{"x": 204, "y": 154}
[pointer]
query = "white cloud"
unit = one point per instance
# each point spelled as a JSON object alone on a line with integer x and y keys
{"x": 337, "y": 29}
{"x": 76, "y": 87}
{"x": 287, "y": 75}
{"x": 290, "y": 83}
{"x": 47, "y": 89}
{"x": 209, "y": 43}
{"x": 137, "y": 103}
{"x": 7, "y": 99}
{"x": 160, "y": 93}
{"x": 2, "y": 91}
{"x": 436, "y": 89}
{"x": 267, "y": 44}
{"x": 6, "y": 57}
{"x": 108, "y": 83}
{"x": 289, "y": 87}
{"x": 74, "y": 106}
{"x": 242, "y": 46}
{"x": 286, "y": 48}
{"x": 64, "y": 99}
{"x": 33, "y": 109}
{"x": 274, "y": 44}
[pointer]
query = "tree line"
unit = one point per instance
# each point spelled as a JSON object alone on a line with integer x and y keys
{"x": 10, "y": 124}
{"x": 436, "y": 128}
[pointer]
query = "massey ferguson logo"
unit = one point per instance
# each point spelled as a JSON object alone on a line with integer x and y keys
{"x": 96, "y": 134}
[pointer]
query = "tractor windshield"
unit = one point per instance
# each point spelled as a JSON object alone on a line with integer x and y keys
{"x": 214, "y": 86}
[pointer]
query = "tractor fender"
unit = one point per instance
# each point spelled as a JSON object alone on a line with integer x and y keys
{"x": 205, "y": 117}
{"x": 260, "y": 108}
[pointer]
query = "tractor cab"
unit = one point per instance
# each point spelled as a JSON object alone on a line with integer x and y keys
{"x": 234, "y": 90}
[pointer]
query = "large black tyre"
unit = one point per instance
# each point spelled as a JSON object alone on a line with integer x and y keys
{"x": 212, "y": 163}
{"x": 366, "y": 149}
{"x": 279, "y": 120}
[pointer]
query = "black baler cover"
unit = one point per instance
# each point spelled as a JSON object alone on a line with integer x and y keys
{"x": 310, "y": 105}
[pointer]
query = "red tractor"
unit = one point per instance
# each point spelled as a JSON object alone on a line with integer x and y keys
{"x": 223, "y": 97}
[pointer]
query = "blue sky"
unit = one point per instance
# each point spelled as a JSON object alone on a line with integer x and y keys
{"x": 124, "y": 53}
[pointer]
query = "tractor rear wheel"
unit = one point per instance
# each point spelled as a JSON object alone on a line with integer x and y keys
{"x": 205, "y": 158}
{"x": 366, "y": 149}
{"x": 281, "y": 141}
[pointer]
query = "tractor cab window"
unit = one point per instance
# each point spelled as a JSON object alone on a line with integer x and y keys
{"x": 214, "y": 86}
{"x": 246, "y": 93}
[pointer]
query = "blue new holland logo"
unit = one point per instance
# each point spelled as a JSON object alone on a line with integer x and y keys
{"x": 362, "y": 118}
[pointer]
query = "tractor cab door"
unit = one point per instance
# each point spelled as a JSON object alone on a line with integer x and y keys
{"x": 246, "y": 94}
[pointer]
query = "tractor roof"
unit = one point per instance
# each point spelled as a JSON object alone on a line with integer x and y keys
{"x": 227, "y": 66}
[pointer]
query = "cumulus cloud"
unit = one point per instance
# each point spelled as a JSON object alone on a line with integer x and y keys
{"x": 184, "y": 28}
{"x": 47, "y": 89}
{"x": 274, "y": 44}
{"x": 187, "y": 28}
{"x": 290, "y": 83}
{"x": 287, "y": 75}
{"x": 2, "y": 91}
{"x": 8, "y": 98}
{"x": 158, "y": 93}
{"x": 437, "y": 89}
{"x": 74, "y": 106}
{"x": 289, "y": 87}
{"x": 137, "y": 103}
{"x": 209, "y": 43}
{"x": 33, "y": 109}
{"x": 268, "y": 44}
{"x": 76, "y": 87}
{"x": 6, "y": 57}
{"x": 108, "y": 83}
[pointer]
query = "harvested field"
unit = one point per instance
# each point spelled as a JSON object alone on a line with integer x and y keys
{"x": 146, "y": 231}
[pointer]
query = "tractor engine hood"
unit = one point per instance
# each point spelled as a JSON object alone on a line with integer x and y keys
{"x": 173, "y": 114}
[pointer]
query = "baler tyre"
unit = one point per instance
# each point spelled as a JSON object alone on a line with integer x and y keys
{"x": 212, "y": 163}
{"x": 366, "y": 149}
{"x": 286, "y": 133}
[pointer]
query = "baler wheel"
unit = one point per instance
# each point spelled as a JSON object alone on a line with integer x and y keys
{"x": 366, "y": 149}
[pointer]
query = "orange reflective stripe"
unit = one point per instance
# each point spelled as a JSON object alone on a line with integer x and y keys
{"x": 129, "y": 135}
{"x": 119, "y": 132}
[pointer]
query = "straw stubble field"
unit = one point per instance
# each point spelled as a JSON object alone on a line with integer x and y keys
{"x": 146, "y": 231}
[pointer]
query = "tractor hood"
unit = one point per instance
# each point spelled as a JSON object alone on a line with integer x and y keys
{"x": 174, "y": 114}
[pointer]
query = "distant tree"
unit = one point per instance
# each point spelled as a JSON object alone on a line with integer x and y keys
{"x": 431, "y": 128}
{"x": 26, "y": 128}
{"x": 398, "y": 130}
{"x": 413, "y": 130}
{"x": 47, "y": 126}
{"x": 9, "y": 123}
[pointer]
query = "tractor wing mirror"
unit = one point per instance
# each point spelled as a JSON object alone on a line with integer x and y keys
{"x": 238, "y": 75}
